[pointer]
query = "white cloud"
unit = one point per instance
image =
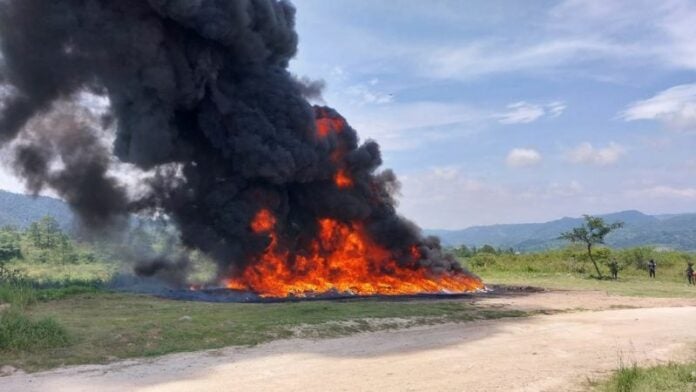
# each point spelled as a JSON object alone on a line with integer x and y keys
{"x": 665, "y": 191}
{"x": 400, "y": 126}
{"x": 674, "y": 107}
{"x": 534, "y": 38}
{"x": 573, "y": 188}
{"x": 625, "y": 33}
{"x": 643, "y": 31}
{"x": 523, "y": 157}
{"x": 445, "y": 172}
{"x": 451, "y": 198}
{"x": 465, "y": 62}
{"x": 555, "y": 109}
{"x": 366, "y": 94}
{"x": 521, "y": 113}
{"x": 585, "y": 153}
{"x": 524, "y": 112}
{"x": 9, "y": 182}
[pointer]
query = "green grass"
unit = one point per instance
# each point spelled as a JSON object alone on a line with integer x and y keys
{"x": 106, "y": 326}
{"x": 99, "y": 326}
{"x": 24, "y": 293}
{"x": 17, "y": 294}
{"x": 668, "y": 378}
{"x": 628, "y": 285}
{"x": 19, "y": 332}
{"x": 61, "y": 316}
{"x": 568, "y": 269}
{"x": 52, "y": 272}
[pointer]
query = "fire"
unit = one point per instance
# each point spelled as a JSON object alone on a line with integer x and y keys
{"x": 264, "y": 221}
{"x": 326, "y": 124}
{"x": 342, "y": 259}
{"x": 342, "y": 179}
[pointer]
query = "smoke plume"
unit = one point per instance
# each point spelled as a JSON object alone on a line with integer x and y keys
{"x": 200, "y": 96}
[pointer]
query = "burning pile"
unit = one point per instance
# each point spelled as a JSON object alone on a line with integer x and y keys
{"x": 340, "y": 256}
{"x": 282, "y": 195}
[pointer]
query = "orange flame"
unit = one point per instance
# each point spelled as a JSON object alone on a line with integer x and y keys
{"x": 342, "y": 179}
{"x": 264, "y": 221}
{"x": 343, "y": 259}
{"x": 325, "y": 125}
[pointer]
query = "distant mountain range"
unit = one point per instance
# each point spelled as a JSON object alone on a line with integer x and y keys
{"x": 21, "y": 210}
{"x": 674, "y": 231}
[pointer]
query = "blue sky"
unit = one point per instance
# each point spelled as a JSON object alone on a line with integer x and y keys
{"x": 502, "y": 111}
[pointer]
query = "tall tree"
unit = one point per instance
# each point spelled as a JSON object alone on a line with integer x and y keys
{"x": 9, "y": 244}
{"x": 591, "y": 233}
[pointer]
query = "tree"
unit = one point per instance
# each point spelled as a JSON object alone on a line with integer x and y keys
{"x": 46, "y": 233}
{"x": 9, "y": 244}
{"x": 463, "y": 251}
{"x": 488, "y": 249}
{"x": 591, "y": 233}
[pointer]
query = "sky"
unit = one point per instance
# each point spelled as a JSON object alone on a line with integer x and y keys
{"x": 506, "y": 112}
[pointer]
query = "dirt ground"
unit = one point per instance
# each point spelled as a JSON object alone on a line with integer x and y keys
{"x": 541, "y": 353}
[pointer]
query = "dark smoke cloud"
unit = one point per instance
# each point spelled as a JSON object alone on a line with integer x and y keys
{"x": 311, "y": 89}
{"x": 62, "y": 151}
{"x": 200, "y": 95}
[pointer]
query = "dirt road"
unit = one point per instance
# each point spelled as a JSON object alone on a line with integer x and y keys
{"x": 555, "y": 352}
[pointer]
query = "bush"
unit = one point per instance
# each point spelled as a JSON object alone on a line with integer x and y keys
{"x": 574, "y": 260}
{"x": 15, "y": 289}
{"x": 19, "y": 332}
{"x": 625, "y": 378}
{"x": 637, "y": 257}
{"x": 482, "y": 260}
{"x": 56, "y": 293}
{"x": 15, "y": 294}
{"x": 669, "y": 377}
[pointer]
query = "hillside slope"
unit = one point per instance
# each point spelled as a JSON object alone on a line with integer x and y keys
{"x": 21, "y": 210}
{"x": 677, "y": 231}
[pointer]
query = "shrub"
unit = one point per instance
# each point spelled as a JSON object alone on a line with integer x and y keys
{"x": 626, "y": 378}
{"x": 17, "y": 294}
{"x": 15, "y": 289}
{"x": 19, "y": 332}
{"x": 482, "y": 260}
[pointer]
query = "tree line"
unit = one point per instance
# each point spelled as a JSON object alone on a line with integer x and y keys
{"x": 42, "y": 241}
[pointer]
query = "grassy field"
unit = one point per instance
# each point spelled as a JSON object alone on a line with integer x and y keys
{"x": 672, "y": 377}
{"x": 630, "y": 285}
{"x": 71, "y": 320}
{"x": 49, "y": 272}
{"x": 106, "y": 326}
{"x": 569, "y": 269}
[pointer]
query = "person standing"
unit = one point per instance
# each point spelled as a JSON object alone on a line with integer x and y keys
{"x": 614, "y": 268}
{"x": 690, "y": 273}
{"x": 651, "y": 268}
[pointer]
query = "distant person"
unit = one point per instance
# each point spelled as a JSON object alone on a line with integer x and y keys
{"x": 651, "y": 268}
{"x": 690, "y": 273}
{"x": 614, "y": 269}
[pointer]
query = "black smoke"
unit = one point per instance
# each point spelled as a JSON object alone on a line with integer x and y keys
{"x": 200, "y": 96}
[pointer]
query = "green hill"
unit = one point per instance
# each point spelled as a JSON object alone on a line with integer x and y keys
{"x": 674, "y": 231}
{"x": 21, "y": 210}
